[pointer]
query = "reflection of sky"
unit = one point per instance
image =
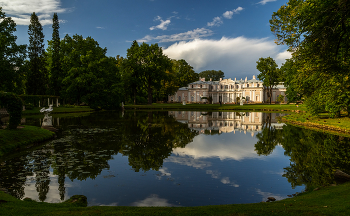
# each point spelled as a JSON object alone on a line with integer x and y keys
{"x": 53, "y": 193}
{"x": 237, "y": 146}
{"x": 212, "y": 170}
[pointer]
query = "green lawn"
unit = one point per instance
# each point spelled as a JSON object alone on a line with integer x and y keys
{"x": 224, "y": 107}
{"x": 62, "y": 109}
{"x": 332, "y": 200}
{"x": 10, "y": 140}
{"x": 339, "y": 126}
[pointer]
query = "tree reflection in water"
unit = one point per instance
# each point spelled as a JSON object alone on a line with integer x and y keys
{"x": 88, "y": 143}
{"x": 314, "y": 156}
{"x": 84, "y": 151}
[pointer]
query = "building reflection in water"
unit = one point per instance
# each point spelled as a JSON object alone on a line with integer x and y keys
{"x": 227, "y": 122}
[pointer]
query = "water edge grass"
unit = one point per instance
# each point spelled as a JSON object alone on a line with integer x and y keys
{"x": 22, "y": 137}
{"x": 331, "y": 200}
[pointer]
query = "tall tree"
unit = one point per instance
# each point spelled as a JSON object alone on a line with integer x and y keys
{"x": 131, "y": 69}
{"x": 11, "y": 57}
{"x": 179, "y": 75}
{"x": 91, "y": 76}
{"x": 55, "y": 69}
{"x": 154, "y": 65}
{"x": 37, "y": 74}
{"x": 145, "y": 68}
{"x": 212, "y": 74}
{"x": 268, "y": 74}
{"x": 318, "y": 32}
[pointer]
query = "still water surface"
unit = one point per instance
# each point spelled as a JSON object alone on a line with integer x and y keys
{"x": 174, "y": 158}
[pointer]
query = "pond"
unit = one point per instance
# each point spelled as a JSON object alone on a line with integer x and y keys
{"x": 173, "y": 158}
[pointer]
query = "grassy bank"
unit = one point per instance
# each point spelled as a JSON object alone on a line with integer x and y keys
{"x": 331, "y": 200}
{"x": 11, "y": 140}
{"x": 63, "y": 109}
{"x": 322, "y": 122}
{"x": 217, "y": 107}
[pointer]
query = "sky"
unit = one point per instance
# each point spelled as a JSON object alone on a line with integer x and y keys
{"x": 227, "y": 35}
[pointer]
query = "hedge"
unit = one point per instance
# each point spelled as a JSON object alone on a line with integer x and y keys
{"x": 13, "y": 104}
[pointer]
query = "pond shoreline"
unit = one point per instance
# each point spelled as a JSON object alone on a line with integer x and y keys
{"x": 311, "y": 202}
{"x": 319, "y": 127}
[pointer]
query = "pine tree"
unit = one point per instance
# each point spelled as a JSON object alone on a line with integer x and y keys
{"x": 56, "y": 72}
{"x": 37, "y": 73}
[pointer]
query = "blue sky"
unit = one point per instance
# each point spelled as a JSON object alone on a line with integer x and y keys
{"x": 227, "y": 35}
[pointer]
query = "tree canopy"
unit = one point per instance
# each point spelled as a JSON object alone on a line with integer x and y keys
{"x": 212, "y": 74}
{"x": 90, "y": 76}
{"x": 37, "y": 78}
{"x": 11, "y": 57}
{"x": 318, "y": 34}
{"x": 268, "y": 74}
{"x": 144, "y": 69}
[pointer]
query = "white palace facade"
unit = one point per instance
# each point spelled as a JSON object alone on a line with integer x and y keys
{"x": 226, "y": 91}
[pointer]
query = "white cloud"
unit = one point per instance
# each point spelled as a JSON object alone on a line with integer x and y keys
{"x": 185, "y": 36}
{"x": 281, "y": 57}
{"x": 20, "y": 10}
{"x": 236, "y": 57}
{"x": 216, "y": 22}
{"x": 52, "y": 195}
{"x": 163, "y": 24}
{"x": 198, "y": 164}
{"x": 228, "y": 14}
{"x": 264, "y": 195}
{"x": 214, "y": 173}
{"x": 153, "y": 200}
{"x": 226, "y": 180}
{"x": 263, "y": 2}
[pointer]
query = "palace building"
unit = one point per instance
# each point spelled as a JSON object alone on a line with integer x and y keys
{"x": 227, "y": 91}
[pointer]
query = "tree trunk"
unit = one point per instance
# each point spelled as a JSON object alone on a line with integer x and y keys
{"x": 149, "y": 88}
{"x": 134, "y": 96}
{"x": 149, "y": 95}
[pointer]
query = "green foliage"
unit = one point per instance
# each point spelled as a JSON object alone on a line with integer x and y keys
{"x": 317, "y": 32}
{"x": 90, "y": 76}
{"x": 29, "y": 106}
{"x": 35, "y": 99}
{"x": 37, "y": 74}
{"x": 179, "y": 75}
{"x": 289, "y": 73}
{"x": 144, "y": 69}
{"x": 268, "y": 74}
{"x": 13, "y": 105}
{"x": 280, "y": 99}
{"x": 314, "y": 156}
{"x": 212, "y": 74}
{"x": 11, "y": 57}
{"x": 55, "y": 66}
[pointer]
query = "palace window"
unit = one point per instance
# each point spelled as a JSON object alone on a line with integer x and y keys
{"x": 226, "y": 86}
{"x": 192, "y": 86}
{"x": 247, "y": 85}
{"x": 201, "y": 86}
{"x": 257, "y": 85}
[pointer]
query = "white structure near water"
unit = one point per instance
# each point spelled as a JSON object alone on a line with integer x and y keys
{"x": 227, "y": 91}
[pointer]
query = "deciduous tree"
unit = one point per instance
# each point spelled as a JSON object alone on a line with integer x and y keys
{"x": 11, "y": 57}
{"x": 212, "y": 74}
{"x": 318, "y": 32}
{"x": 268, "y": 74}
